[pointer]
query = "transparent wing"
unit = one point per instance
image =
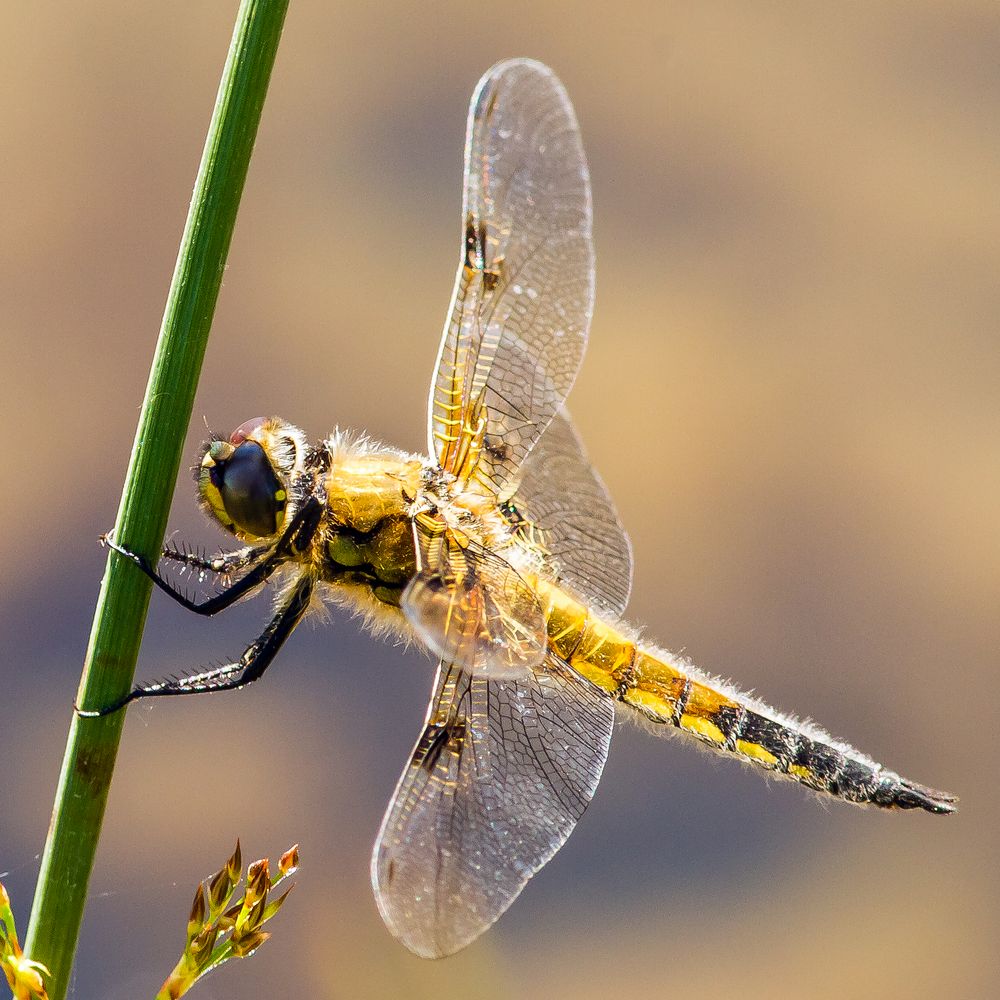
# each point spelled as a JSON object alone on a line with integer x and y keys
{"x": 523, "y": 298}
{"x": 500, "y": 775}
{"x": 561, "y": 493}
{"x": 470, "y": 606}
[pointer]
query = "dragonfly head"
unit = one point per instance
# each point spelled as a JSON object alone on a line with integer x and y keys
{"x": 243, "y": 481}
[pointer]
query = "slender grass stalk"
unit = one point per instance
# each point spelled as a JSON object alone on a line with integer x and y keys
{"x": 92, "y": 744}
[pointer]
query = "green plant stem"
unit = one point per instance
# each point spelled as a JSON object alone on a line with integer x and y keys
{"x": 92, "y": 744}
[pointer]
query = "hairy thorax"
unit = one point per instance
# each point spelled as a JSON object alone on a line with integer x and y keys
{"x": 365, "y": 545}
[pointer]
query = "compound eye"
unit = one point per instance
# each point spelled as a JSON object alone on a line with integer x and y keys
{"x": 251, "y": 493}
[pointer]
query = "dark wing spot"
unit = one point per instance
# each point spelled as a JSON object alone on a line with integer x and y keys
{"x": 473, "y": 244}
{"x": 497, "y": 447}
{"x": 435, "y": 738}
{"x": 491, "y": 278}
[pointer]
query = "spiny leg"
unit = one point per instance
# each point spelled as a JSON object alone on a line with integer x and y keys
{"x": 297, "y": 535}
{"x": 221, "y": 566}
{"x": 256, "y": 658}
{"x": 213, "y": 605}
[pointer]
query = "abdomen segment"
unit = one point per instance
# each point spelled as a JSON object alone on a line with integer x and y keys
{"x": 670, "y": 693}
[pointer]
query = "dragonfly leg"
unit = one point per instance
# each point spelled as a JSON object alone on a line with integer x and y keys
{"x": 256, "y": 658}
{"x": 295, "y": 538}
{"x": 222, "y": 566}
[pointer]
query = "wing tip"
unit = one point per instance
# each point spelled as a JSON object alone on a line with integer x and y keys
{"x": 510, "y": 69}
{"x": 512, "y": 63}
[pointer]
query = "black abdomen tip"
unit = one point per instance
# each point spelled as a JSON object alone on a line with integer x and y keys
{"x": 909, "y": 795}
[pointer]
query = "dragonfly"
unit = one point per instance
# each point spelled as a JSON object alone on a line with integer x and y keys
{"x": 500, "y": 552}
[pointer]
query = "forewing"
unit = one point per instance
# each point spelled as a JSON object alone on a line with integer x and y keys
{"x": 563, "y": 495}
{"x": 500, "y": 775}
{"x": 523, "y": 298}
{"x": 471, "y": 607}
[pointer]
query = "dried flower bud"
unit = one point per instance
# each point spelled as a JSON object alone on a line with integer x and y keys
{"x": 249, "y": 943}
{"x": 220, "y": 891}
{"x": 219, "y": 929}
{"x": 25, "y": 977}
{"x": 289, "y": 861}
{"x": 258, "y": 882}
{"x": 229, "y": 918}
{"x": 201, "y": 947}
{"x": 235, "y": 864}
{"x": 199, "y": 910}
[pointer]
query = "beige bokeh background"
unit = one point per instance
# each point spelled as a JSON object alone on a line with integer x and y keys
{"x": 792, "y": 391}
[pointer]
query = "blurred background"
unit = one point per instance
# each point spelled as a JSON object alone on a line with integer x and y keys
{"x": 791, "y": 390}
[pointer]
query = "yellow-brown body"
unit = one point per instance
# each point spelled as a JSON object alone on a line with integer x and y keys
{"x": 365, "y": 551}
{"x": 501, "y": 552}
{"x": 365, "y": 542}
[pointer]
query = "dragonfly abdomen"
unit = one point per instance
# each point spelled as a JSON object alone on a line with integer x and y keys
{"x": 667, "y": 692}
